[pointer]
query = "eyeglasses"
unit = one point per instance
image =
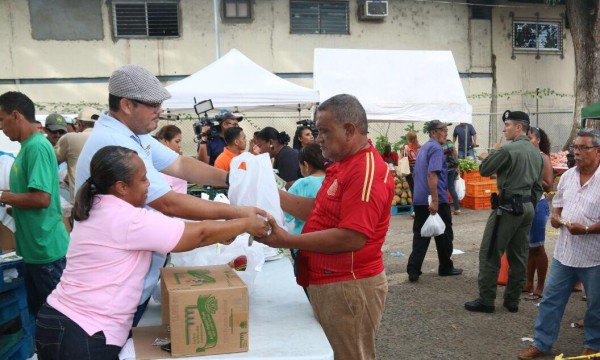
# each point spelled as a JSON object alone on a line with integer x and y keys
{"x": 581, "y": 147}
{"x": 154, "y": 106}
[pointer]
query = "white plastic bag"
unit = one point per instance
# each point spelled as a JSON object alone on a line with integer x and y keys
{"x": 460, "y": 187}
{"x": 256, "y": 186}
{"x": 434, "y": 226}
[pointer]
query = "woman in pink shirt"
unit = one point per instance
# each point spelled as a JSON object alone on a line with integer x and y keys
{"x": 170, "y": 136}
{"x": 89, "y": 314}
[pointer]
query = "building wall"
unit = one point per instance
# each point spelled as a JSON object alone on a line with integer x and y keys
{"x": 53, "y": 71}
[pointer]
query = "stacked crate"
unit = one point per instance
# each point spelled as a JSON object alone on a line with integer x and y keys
{"x": 16, "y": 326}
{"x": 479, "y": 189}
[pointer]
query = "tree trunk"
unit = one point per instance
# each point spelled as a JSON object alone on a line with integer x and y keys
{"x": 585, "y": 32}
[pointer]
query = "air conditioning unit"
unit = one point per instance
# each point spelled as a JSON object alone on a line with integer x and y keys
{"x": 373, "y": 10}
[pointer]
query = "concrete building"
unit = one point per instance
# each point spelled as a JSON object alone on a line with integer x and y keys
{"x": 63, "y": 51}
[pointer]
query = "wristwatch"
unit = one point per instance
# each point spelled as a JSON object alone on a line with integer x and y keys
{"x": 587, "y": 228}
{"x": 203, "y": 142}
{"x": 1, "y": 203}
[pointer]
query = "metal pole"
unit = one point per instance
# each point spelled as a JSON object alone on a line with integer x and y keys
{"x": 217, "y": 35}
{"x": 537, "y": 107}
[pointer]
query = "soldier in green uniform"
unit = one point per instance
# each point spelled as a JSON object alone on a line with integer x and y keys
{"x": 518, "y": 166}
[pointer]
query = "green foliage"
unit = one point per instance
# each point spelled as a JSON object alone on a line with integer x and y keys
{"x": 67, "y": 108}
{"x": 467, "y": 165}
{"x": 535, "y": 93}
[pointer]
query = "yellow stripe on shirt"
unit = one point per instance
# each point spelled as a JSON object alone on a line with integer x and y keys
{"x": 369, "y": 175}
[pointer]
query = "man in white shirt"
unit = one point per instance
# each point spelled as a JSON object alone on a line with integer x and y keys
{"x": 576, "y": 212}
{"x": 135, "y": 104}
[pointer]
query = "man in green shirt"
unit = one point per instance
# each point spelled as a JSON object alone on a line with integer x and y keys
{"x": 40, "y": 235}
{"x": 518, "y": 165}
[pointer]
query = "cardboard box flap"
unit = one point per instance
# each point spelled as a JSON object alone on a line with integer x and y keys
{"x": 207, "y": 277}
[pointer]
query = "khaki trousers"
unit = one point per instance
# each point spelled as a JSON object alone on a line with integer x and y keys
{"x": 350, "y": 313}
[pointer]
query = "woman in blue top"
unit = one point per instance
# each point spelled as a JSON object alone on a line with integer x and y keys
{"x": 312, "y": 167}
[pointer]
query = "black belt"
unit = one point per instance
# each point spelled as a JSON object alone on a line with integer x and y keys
{"x": 526, "y": 199}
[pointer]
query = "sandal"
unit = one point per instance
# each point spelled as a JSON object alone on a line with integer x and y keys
{"x": 456, "y": 212}
{"x": 533, "y": 297}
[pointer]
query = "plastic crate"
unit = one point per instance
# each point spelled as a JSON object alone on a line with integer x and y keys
{"x": 473, "y": 176}
{"x": 21, "y": 351}
{"x": 476, "y": 203}
{"x": 18, "y": 265}
{"x": 401, "y": 209}
{"x": 481, "y": 188}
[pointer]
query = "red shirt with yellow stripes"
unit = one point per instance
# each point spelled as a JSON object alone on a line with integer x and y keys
{"x": 356, "y": 194}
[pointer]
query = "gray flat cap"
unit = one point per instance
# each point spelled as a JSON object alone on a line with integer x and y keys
{"x": 135, "y": 82}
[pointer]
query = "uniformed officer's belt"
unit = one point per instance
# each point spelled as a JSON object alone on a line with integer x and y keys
{"x": 526, "y": 199}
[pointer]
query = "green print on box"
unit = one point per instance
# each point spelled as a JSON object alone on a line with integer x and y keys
{"x": 200, "y": 277}
{"x": 207, "y": 306}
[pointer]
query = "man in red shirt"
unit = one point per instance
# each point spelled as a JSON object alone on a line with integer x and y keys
{"x": 340, "y": 261}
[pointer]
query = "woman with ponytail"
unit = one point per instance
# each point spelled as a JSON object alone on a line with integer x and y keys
{"x": 90, "y": 313}
{"x": 273, "y": 142}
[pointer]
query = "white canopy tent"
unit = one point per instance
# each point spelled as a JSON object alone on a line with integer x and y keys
{"x": 237, "y": 83}
{"x": 394, "y": 85}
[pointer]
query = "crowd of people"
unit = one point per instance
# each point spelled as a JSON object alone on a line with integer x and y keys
{"x": 127, "y": 183}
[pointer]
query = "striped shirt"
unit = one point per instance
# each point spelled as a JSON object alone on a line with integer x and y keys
{"x": 580, "y": 204}
{"x": 356, "y": 194}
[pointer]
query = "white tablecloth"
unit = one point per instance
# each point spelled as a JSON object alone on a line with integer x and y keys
{"x": 282, "y": 324}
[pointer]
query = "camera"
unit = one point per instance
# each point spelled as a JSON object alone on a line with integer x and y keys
{"x": 309, "y": 124}
{"x": 203, "y": 120}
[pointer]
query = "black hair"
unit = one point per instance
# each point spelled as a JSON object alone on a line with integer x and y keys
{"x": 14, "y": 100}
{"x": 114, "y": 102}
{"x": 168, "y": 132}
{"x": 109, "y": 165}
{"x": 344, "y": 109}
{"x": 86, "y": 124}
{"x": 296, "y": 144}
{"x": 543, "y": 137}
{"x": 270, "y": 133}
{"x": 312, "y": 154}
{"x": 232, "y": 134}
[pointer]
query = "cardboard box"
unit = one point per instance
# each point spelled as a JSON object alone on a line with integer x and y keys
{"x": 206, "y": 308}
{"x": 7, "y": 240}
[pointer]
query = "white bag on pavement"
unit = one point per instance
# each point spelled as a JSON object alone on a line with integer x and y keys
{"x": 434, "y": 226}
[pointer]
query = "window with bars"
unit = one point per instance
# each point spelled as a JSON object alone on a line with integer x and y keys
{"x": 143, "y": 19}
{"x": 237, "y": 9}
{"x": 319, "y": 17}
{"x": 537, "y": 35}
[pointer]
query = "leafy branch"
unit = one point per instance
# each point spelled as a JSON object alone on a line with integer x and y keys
{"x": 536, "y": 93}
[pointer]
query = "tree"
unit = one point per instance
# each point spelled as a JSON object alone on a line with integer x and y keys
{"x": 584, "y": 22}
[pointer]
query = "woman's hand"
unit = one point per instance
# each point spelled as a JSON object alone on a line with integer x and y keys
{"x": 277, "y": 237}
{"x": 250, "y": 212}
{"x": 257, "y": 226}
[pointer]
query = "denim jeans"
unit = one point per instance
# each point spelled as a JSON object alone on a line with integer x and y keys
{"x": 461, "y": 153}
{"x": 40, "y": 281}
{"x": 556, "y": 295}
{"x": 451, "y": 187}
{"x": 60, "y": 338}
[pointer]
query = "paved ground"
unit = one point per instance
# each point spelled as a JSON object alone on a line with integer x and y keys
{"x": 427, "y": 320}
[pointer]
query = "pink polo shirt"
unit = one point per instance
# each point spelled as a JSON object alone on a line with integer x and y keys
{"x": 107, "y": 260}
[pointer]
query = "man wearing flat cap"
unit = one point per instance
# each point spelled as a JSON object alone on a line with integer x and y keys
{"x": 135, "y": 104}
{"x": 70, "y": 145}
{"x": 210, "y": 149}
{"x": 518, "y": 165}
{"x": 431, "y": 177}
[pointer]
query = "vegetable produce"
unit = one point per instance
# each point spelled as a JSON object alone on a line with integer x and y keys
{"x": 467, "y": 165}
{"x": 402, "y": 196}
{"x": 559, "y": 159}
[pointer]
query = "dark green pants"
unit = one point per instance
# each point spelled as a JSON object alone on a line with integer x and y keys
{"x": 513, "y": 237}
